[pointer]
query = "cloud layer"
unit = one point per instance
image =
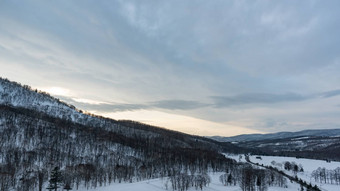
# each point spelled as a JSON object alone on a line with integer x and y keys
{"x": 230, "y": 62}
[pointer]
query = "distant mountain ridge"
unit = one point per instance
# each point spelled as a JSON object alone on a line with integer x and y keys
{"x": 279, "y": 135}
{"x": 317, "y": 144}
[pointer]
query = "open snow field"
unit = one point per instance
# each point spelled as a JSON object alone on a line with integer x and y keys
{"x": 309, "y": 165}
{"x": 159, "y": 185}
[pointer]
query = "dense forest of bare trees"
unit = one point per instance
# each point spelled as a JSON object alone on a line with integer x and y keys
{"x": 48, "y": 144}
{"x": 33, "y": 144}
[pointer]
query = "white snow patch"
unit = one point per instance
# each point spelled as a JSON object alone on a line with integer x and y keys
{"x": 309, "y": 165}
{"x": 300, "y": 138}
{"x": 159, "y": 185}
{"x": 73, "y": 135}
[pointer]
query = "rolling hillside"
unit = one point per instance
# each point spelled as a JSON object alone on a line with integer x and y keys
{"x": 39, "y": 132}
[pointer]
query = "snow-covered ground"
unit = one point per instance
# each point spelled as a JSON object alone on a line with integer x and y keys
{"x": 238, "y": 158}
{"x": 159, "y": 185}
{"x": 309, "y": 165}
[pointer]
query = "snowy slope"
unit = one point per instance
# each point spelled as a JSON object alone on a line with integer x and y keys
{"x": 39, "y": 132}
{"x": 309, "y": 166}
{"x": 159, "y": 185}
{"x": 16, "y": 95}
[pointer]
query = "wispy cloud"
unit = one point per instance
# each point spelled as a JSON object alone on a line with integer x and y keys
{"x": 268, "y": 98}
{"x": 257, "y": 98}
{"x": 178, "y": 104}
{"x": 112, "y": 107}
{"x": 242, "y": 100}
{"x": 92, "y": 105}
{"x": 164, "y": 104}
{"x": 330, "y": 93}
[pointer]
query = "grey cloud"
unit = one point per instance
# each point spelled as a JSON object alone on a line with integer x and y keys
{"x": 189, "y": 46}
{"x": 331, "y": 93}
{"x": 104, "y": 107}
{"x": 116, "y": 107}
{"x": 256, "y": 98}
{"x": 218, "y": 102}
{"x": 272, "y": 125}
{"x": 146, "y": 50}
{"x": 268, "y": 98}
{"x": 279, "y": 125}
{"x": 112, "y": 107}
{"x": 178, "y": 104}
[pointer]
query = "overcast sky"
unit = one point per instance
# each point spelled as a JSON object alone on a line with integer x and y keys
{"x": 201, "y": 67}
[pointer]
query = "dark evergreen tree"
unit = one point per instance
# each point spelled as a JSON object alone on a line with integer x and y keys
{"x": 55, "y": 179}
{"x": 229, "y": 180}
{"x": 41, "y": 178}
{"x": 287, "y": 166}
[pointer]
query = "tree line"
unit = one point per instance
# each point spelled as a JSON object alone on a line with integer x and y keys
{"x": 251, "y": 179}
{"x": 326, "y": 176}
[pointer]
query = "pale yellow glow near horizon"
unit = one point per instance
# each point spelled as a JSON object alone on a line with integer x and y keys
{"x": 89, "y": 101}
{"x": 189, "y": 125}
{"x": 182, "y": 123}
{"x": 57, "y": 91}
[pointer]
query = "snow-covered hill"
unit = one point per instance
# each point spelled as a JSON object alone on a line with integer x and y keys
{"x": 39, "y": 133}
{"x": 14, "y": 94}
{"x": 22, "y": 96}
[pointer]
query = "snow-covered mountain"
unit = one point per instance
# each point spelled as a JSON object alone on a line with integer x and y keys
{"x": 22, "y": 96}
{"x": 39, "y": 132}
{"x": 14, "y": 94}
